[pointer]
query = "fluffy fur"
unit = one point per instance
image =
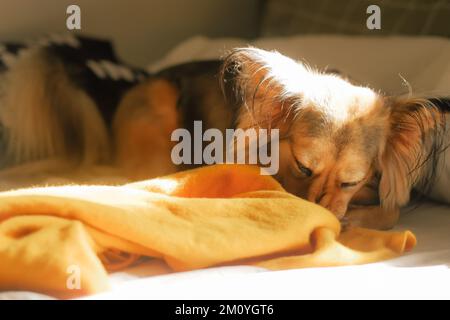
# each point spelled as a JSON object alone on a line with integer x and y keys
{"x": 343, "y": 145}
{"x": 45, "y": 116}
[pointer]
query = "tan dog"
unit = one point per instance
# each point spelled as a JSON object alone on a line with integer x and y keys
{"x": 343, "y": 146}
{"x": 348, "y": 148}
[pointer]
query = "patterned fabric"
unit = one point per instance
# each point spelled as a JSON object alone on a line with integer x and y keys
{"x": 406, "y": 17}
{"x": 91, "y": 64}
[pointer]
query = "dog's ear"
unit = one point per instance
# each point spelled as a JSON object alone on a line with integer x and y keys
{"x": 413, "y": 138}
{"x": 259, "y": 84}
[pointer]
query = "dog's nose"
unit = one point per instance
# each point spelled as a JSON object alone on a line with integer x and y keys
{"x": 339, "y": 210}
{"x": 335, "y": 206}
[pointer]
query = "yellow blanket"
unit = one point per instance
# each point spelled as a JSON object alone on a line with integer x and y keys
{"x": 62, "y": 240}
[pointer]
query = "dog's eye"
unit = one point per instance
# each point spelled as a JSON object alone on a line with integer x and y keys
{"x": 306, "y": 171}
{"x": 349, "y": 184}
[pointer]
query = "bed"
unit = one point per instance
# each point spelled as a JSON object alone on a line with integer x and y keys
{"x": 421, "y": 274}
{"x": 387, "y": 64}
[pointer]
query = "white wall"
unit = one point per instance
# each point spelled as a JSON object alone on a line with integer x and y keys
{"x": 143, "y": 30}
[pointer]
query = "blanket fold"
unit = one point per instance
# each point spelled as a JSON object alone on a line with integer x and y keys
{"x": 62, "y": 240}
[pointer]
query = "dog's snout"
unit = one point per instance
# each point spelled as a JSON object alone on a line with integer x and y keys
{"x": 320, "y": 197}
{"x": 333, "y": 203}
{"x": 338, "y": 209}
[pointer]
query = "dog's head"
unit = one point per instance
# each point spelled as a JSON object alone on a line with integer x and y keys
{"x": 335, "y": 136}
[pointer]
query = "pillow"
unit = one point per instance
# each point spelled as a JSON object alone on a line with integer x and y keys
{"x": 380, "y": 62}
{"x": 398, "y": 17}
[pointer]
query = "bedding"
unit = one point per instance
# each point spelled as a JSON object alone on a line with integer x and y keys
{"x": 422, "y": 273}
{"x": 215, "y": 215}
{"x": 390, "y": 64}
{"x": 287, "y": 17}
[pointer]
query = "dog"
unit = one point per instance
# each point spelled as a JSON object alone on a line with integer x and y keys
{"x": 347, "y": 147}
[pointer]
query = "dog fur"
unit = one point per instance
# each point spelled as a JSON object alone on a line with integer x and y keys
{"x": 349, "y": 148}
